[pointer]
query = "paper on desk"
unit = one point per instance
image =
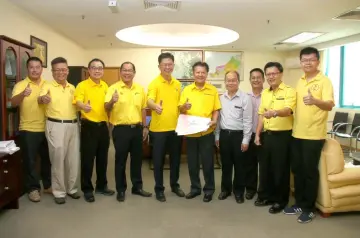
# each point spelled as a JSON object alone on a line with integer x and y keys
{"x": 8, "y": 147}
{"x": 188, "y": 125}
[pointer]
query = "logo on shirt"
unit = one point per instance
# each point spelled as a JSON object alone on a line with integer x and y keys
{"x": 315, "y": 87}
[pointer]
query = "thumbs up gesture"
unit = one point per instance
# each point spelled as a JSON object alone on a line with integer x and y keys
{"x": 27, "y": 91}
{"x": 46, "y": 98}
{"x": 309, "y": 99}
{"x": 158, "y": 108}
{"x": 87, "y": 107}
{"x": 115, "y": 96}
{"x": 187, "y": 105}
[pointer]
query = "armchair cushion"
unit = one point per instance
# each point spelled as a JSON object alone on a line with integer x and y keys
{"x": 334, "y": 157}
{"x": 348, "y": 176}
{"x": 345, "y": 192}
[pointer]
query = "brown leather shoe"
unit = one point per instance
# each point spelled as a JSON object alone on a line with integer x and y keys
{"x": 34, "y": 196}
{"x": 48, "y": 191}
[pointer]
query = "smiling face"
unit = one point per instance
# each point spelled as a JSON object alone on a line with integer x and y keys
{"x": 96, "y": 70}
{"x": 34, "y": 69}
{"x": 309, "y": 63}
{"x": 60, "y": 72}
{"x": 257, "y": 80}
{"x": 127, "y": 73}
{"x": 232, "y": 82}
{"x": 166, "y": 67}
{"x": 200, "y": 74}
{"x": 273, "y": 76}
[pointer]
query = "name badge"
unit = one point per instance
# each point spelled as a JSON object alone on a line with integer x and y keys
{"x": 280, "y": 98}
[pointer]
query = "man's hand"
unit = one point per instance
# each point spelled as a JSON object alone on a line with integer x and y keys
{"x": 269, "y": 114}
{"x": 46, "y": 99}
{"x": 27, "y": 91}
{"x": 115, "y": 97}
{"x": 212, "y": 123}
{"x": 158, "y": 108}
{"x": 244, "y": 147}
{"x": 257, "y": 140}
{"x": 86, "y": 107}
{"x": 186, "y": 106}
{"x": 145, "y": 133}
{"x": 217, "y": 143}
{"x": 309, "y": 99}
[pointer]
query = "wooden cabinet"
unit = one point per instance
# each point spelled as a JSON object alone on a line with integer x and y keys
{"x": 10, "y": 180}
{"x": 77, "y": 74}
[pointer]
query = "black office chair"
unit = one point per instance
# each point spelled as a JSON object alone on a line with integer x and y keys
{"x": 341, "y": 131}
{"x": 339, "y": 118}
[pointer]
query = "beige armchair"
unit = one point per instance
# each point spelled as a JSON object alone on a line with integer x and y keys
{"x": 339, "y": 188}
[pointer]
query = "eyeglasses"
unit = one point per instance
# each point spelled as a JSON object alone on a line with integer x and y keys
{"x": 272, "y": 74}
{"x": 60, "y": 70}
{"x": 96, "y": 68}
{"x": 308, "y": 60}
{"x": 127, "y": 71}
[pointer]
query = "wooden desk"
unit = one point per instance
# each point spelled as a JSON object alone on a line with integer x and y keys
{"x": 10, "y": 180}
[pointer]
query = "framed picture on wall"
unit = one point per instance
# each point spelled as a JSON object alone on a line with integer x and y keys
{"x": 184, "y": 60}
{"x": 221, "y": 62}
{"x": 185, "y": 82}
{"x": 40, "y": 49}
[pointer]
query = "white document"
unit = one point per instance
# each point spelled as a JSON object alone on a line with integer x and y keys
{"x": 188, "y": 125}
{"x": 8, "y": 147}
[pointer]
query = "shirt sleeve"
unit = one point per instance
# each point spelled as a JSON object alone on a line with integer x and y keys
{"x": 328, "y": 91}
{"x": 17, "y": 89}
{"x": 79, "y": 94}
{"x": 247, "y": 119}
{"x": 183, "y": 97}
{"x": 144, "y": 104}
{"x": 217, "y": 129}
{"x": 290, "y": 99}
{"x": 110, "y": 91}
{"x": 152, "y": 91}
{"x": 217, "y": 103}
{"x": 261, "y": 107}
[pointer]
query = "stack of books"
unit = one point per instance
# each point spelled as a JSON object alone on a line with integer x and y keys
{"x": 8, "y": 147}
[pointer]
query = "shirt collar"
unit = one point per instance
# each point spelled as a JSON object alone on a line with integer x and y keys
{"x": 56, "y": 84}
{"x": 237, "y": 94}
{"x": 123, "y": 85}
{"x": 93, "y": 84}
{"x": 251, "y": 93}
{"x": 317, "y": 77}
{"x": 281, "y": 86}
{"x": 206, "y": 86}
{"x": 161, "y": 78}
{"x": 28, "y": 80}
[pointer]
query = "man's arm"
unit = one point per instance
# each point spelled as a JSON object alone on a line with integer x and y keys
{"x": 260, "y": 125}
{"x": 247, "y": 119}
{"x": 324, "y": 105}
{"x": 17, "y": 100}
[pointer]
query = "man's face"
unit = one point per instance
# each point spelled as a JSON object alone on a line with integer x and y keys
{"x": 96, "y": 70}
{"x": 60, "y": 71}
{"x": 273, "y": 76}
{"x": 200, "y": 74}
{"x": 257, "y": 80}
{"x": 127, "y": 73}
{"x": 309, "y": 63}
{"x": 166, "y": 66}
{"x": 34, "y": 69}
{"x": 232, "y": 82}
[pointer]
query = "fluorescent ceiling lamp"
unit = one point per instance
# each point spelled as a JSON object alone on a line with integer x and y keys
{"x": 302, "y": 37}
{"x": 177, "y": 35}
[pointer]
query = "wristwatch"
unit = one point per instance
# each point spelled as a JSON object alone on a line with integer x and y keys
{"x": 275, "y": 114}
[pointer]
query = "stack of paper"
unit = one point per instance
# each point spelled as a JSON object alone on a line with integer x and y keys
{"x": 188, "y": 125}
{"x": 8, "y": 147}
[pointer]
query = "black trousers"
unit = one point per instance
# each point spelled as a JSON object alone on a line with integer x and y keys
{"x": 164, "y": 142}
{"x": 276, "y": 171}
{"x": 251, "y": 166}
{"x": 232, "y": 158}
{"x": 94, "y": 143}
{"x": 201, "y": 148}
{"x": 33, "y": 144}
{"x": 304, "y": 165}
{"x": 128, "y": 139}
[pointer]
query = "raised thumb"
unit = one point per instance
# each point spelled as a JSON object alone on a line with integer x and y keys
{"x": 28, "y": 86}
{"x": 89, "y": 102}
{"x": 309, "y": 92}
{"x": 161, "y": 102}
{"x": 187, "y": 100}
{"x": 116, "y": 91}
{"x": 48, "y": 92}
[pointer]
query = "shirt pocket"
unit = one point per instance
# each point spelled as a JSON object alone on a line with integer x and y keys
{"x": 207, "y": 104}
{"x": 236, "y": 111}
{"x": 137, "y": 99}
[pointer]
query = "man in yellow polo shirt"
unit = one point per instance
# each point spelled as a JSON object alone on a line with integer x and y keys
{"x": 315, "y": 97}
{"x": 276, "y": 118}
{"x": 61, "y": 131}
{"x": 163, "y": 99}
{"x": 201, "y": 99}
{"x": 32, "y": 127}
{"x": 94, "y": 135}
{"x": 126, "y": 101}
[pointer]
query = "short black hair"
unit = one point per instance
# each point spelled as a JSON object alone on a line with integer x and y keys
{"x": 166, "y": 55}
{"x": 58, "y": 60}
{"x": 128, "y": 62}
{"x": 274, "y": 64}
{"x": 257, "y": 70}
{"x": 35, "y": 59}
{"x": 201, "y": 64}
{"x": 310, "y": 50}
{"x": 96, "y": 60}
{"x": 235, "y": 72}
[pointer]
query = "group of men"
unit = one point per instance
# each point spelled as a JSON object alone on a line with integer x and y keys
{"x": 277, "y": 128}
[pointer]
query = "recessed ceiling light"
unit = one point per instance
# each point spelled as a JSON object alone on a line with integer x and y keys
{"x": 177, "y": 35}
{"x": 302, "y": 37}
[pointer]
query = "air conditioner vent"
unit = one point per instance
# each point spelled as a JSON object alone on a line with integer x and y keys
{"x": 351, "y": 15}
{"x": 161, "y": 5}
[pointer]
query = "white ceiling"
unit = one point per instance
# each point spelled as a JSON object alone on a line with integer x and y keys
{"x": 248, "y": 17}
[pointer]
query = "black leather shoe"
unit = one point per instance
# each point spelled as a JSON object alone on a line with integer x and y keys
{"x": 223, "y": 195}
{"x": 262, "y": 202}
{"x": 191, "y": 195}
{"x": 207, "y": 198}
{"x": 105, "y": 191}
{"x": 160, "y": 196}
{"x": 276, "y": 208}
{"x": 249, "y": 195}
{"x": 59, "y": 200}
{"x": 178, "y": 191}
{"x": 74, "y": 195}
{"x": 120, "y": 196}
{"x": 239, "y": 198}
{"x": 141, "y": 192}
{"x": 89, "y": 197}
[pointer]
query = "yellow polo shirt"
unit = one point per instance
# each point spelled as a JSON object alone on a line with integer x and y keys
{"x": 310, "y": 122}
{"x": 169, "y": 93}
{"x": 88, "y": 90}
{"x": 61, "y": 105}
{"x": 128, "y": 109}
{"x": 283, "y": 97}
{"x": 32, "y": 115}
{"x": 203, "y": 103}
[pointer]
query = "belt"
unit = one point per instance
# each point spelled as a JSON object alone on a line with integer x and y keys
{"x": 93, "y": 123}
{"x": 129, "y": 126}
{"x": 268, "y": 132}
{"x": 231, "y": 131}
{"x": 62, "y": 121}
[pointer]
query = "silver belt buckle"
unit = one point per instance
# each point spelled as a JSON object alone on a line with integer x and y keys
{"x": 132, "y": 126}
